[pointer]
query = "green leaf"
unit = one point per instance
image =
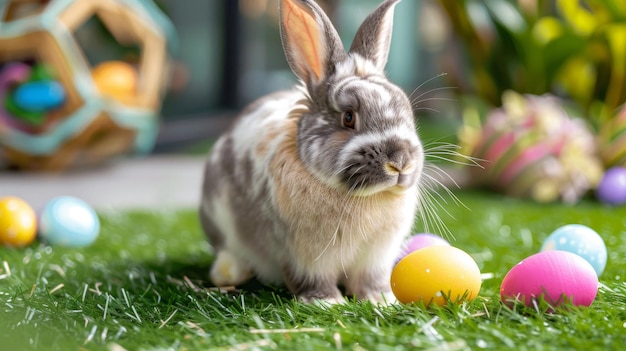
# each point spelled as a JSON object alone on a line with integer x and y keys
{"x": 547, "y": 29}
{"x": 617, "y": 8}
{"x": 578, "y": 76}
{"x": 577, "y": 16}
{"x": 560, "y": 50}
{"x": 506, "y": 15}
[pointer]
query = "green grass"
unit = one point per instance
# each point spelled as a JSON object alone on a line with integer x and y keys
{"x": 142, "y": 286}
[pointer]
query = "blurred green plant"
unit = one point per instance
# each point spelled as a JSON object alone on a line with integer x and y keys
{"x": 572, "y": 48}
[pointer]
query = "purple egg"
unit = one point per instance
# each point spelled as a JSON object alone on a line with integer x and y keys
{"x": 420, "y": 241}
{"x": 612, "y": 187}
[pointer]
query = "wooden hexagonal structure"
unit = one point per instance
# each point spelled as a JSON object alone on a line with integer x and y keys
{"x": 41, "y": 46}
{"x": 128, "y": 27}
{"x": 89, "y": 127}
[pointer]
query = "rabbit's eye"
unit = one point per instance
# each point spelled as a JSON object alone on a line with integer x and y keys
{"x": 349, "y": 119}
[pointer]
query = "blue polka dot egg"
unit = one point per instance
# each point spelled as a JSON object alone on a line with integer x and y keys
{"x": 68, "y": 221}
{"x": 580, "y": 240}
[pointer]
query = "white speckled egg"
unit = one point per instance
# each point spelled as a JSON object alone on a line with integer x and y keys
{"x": 68, "y": 221}
{"x": 581, "y": 240}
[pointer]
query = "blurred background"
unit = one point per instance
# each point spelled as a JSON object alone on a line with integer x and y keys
{"x": 231, "y": 53}
{"x": 532, "y": 89}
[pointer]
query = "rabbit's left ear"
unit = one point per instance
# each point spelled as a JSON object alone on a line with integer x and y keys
{"x": 373, "y": 38}
{"x": 311, "y": 43}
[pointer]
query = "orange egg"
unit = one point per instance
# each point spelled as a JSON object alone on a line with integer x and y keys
{"x": 18, "y": 223}
{"x": 116, "y": 79}
{"x": 436, "y": 274}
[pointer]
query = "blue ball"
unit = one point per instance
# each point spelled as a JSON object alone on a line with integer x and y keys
{"x": 580, "y": 240}
{"x": 68, "y": 221}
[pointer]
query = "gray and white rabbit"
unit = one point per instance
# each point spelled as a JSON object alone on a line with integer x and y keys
{"x": 318, "y": 186}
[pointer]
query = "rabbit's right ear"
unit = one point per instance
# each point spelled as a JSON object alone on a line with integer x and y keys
{"x": 311, "y": 43}
{"x": 373, "y": 38}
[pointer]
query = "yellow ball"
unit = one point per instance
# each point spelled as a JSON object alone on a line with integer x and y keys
{"x": 436, "y": 274}
{"x": 18, "y": 223}
{"x": 116, "y": 79}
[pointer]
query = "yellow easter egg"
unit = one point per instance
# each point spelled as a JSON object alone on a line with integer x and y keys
{"x": 18, "y": 223}
{"x": 116, "y": 79}
{"x": 436, "y": 274}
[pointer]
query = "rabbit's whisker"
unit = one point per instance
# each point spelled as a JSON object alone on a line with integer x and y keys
{"x": 437, "y": 171}
{"x": 430, "y": 91}
{"x": 415, "y": 109}
{"x": 343, "y": 169}
{"x": 434, "y": 194}
{"x": 426, "y": 82}
{"x": 415, "y": 104}
{"x": 441, "y": 150}
{"x": 350, "y": 200}
{"x": 333, "y": 239}
{"x": 428, "y": 210}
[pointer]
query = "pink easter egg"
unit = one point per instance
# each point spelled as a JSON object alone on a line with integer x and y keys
{"x": 558, "y": 276}
{"x": 420, "y": 241}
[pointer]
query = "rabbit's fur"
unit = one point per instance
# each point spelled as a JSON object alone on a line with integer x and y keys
{"x": 318, "y": 186}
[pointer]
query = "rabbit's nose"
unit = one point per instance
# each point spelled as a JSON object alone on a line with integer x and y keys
{"x": 399, "y": 161}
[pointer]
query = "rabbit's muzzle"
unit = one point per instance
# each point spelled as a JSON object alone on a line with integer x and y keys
{"x": 393, "y": 166}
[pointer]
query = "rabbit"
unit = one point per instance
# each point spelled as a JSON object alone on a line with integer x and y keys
{"x": 316, "y": 188}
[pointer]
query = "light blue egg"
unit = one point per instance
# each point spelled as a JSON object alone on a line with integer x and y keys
{"x": 68, "y": 221}
{"x": 581, "y": 240}
{"x": 39, "y": 96}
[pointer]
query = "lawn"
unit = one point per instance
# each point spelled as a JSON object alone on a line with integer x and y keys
{"x": 142, "y": 286}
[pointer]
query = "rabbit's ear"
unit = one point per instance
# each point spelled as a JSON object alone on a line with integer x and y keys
{"x": 311, "y": 43}
{"x": 373, "y": 38}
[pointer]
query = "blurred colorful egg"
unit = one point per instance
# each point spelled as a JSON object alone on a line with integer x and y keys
{"x": 436, "y": 275}
{"x": 39, "y": 96}
{"x": 420, "y": 241}
{"x": 18, "y": 223}
{"x": 612, "y": 187}
{"x": 11, "y": 75}
{"x": 557, "y": 276}
{"x": 532, "y": 148}
{"x": 68, "y": 221}
{"x": 116, "y": 79}
{"x": 580, "y": 240}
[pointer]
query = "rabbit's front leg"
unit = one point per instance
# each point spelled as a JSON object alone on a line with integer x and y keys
{"x": 312, "y": 288}
{"x": 371, "y": 281}
{"x": 372, "y": 286}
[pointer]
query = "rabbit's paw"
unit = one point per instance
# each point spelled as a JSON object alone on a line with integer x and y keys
{"x": 228, "y": 271}
{"x": 385, "y": 298}
{"x": 322, "y": 301}
{"x": 369, "y": 286}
